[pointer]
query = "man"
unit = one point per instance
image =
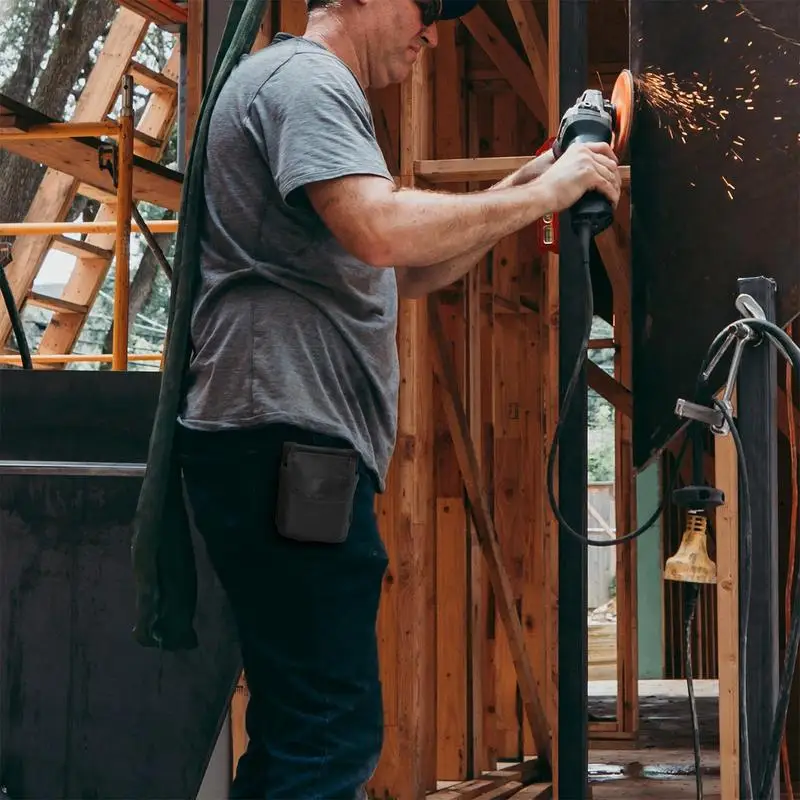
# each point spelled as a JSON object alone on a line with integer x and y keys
{"x": 290, "y": 415}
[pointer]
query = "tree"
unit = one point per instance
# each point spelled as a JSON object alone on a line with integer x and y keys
{"x": 53, "y": 40}
{"x": 601, "y": 415}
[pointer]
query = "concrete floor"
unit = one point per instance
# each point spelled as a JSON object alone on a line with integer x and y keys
{"x": 662, "y": 763}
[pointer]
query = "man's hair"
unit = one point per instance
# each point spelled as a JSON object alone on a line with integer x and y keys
{"x": 312, "y": 5}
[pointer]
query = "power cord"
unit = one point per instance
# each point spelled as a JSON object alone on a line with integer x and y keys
{"x": 13, "y": 311}
{"x": 692, "y": 593}
{"x": 584, "y": 232}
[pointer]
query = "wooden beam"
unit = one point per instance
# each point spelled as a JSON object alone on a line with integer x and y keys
{"x": 533, "y": 40}
{"x": 494, "y": 168}
{"x": 407, "y": 517}
{"x": 610, "y": 389}
{"x": 727, "y": 558}
{"x": 195, "y": 78}
{"x": 487, "y": 536}
{"x": 164, "y": 13}
{"x": 549, "y": 388}
{"x": 512, "y": 67}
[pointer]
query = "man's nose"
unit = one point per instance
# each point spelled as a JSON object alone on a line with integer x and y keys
{"x": 431, "y": 35}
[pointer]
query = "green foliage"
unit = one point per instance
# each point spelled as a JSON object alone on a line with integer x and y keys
{"x": 600, "y": 432}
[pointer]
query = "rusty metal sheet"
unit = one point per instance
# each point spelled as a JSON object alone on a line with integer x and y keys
{"x": 715, "y": 170}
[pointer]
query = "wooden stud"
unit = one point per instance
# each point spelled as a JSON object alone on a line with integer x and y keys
{"x": 550, "y": 393}
{"x": 406, "y": 512}
{"x": 482, "y": 517}
{"x": 727, "y": 558}
{"x": 452, "y": 596}
{"x": 195, "y": 78}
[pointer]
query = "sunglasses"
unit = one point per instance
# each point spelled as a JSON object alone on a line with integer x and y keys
{"x": 431, "y": 11}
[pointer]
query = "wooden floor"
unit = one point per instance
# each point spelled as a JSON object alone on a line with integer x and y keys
{"x": 658, "y": 766}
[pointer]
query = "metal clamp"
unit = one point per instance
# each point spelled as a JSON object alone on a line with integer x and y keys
{"x": 107, "y": 159}
{"x": 740, "y": 335}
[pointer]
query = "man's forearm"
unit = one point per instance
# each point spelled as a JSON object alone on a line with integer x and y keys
{"x": 430, "y": 228}
{"x": 418, "y": 282}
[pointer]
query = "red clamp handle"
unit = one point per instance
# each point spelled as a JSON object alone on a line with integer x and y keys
{"x": 547, "y": 226}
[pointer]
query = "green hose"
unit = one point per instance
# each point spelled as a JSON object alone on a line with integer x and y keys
{"x": 162, "y": 551}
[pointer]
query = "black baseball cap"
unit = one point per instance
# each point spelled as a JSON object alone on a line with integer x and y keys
{"x": 435, "y": 10}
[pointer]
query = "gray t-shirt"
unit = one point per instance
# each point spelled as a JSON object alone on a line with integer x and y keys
{"x": 287, "y": 326}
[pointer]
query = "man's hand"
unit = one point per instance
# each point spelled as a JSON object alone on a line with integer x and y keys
{"x": 582, "y": 168}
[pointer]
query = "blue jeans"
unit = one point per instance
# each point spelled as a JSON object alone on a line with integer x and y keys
{"x": 306, "y": 616}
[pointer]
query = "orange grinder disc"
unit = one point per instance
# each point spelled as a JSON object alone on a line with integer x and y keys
{"x": 622, "y": 101}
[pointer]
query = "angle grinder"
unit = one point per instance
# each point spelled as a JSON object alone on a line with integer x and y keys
{"x": 595, "y": 119}
{"x": 591, "y": 119}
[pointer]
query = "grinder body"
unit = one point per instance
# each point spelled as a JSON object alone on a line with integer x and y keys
{"x": 592, "y": 119}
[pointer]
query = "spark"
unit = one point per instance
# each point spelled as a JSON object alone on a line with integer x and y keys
{"x": 744, "y": 11}
{"x": 729, "y": 187}
{"x": 682, "y": 107}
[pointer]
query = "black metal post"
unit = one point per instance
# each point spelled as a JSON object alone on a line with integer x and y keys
{"x": 573, "y": 670}
{"x": 757, "y": 390}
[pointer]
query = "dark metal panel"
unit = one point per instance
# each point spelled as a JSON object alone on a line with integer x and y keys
{"x": 85, "y": 711}
{"x": 729, "y": 116}
{"x": 77, "y": 415}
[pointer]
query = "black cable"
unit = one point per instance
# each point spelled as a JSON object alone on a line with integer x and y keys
{"x": 16, "y": 321}
{"x": 692, "y": 592}
{"x": 585, "y": 237}
{"x": 767, "y": 774}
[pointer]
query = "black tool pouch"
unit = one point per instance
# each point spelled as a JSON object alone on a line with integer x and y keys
{"x": 316, "y": 489}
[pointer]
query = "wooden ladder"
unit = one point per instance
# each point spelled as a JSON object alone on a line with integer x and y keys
{"x": 94, "y": 253}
